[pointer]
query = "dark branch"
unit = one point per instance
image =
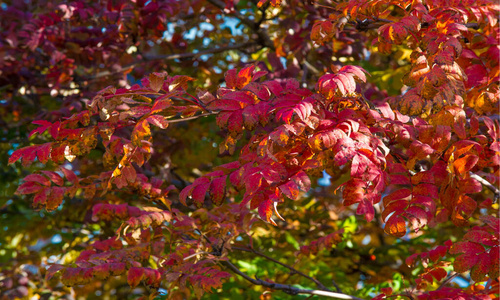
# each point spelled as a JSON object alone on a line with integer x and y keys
{"x": 200, "y": 53}
{"x": 487, "y": 184}
{"x": 318, "y": 283}
{"x": 171, "y": 57}
{"x": 263, "y": 38}
{"x": 287, "y": 288}
{"x": 191, "y": 118}
{"x": 450, "y": 278}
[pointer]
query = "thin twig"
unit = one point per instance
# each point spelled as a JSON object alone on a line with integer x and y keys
{"x": 447, "y": 280}
{"x": 289, "y": 289}
{"x": 263, "y": 37}
{"x": 199, "y": 53}
{"x": 311, "y": 68}
{"x": 191, "y": 118}
{"x": 318, "y": 283}
{"x": 487, "y": 184}
{"x": 170, "y": 57}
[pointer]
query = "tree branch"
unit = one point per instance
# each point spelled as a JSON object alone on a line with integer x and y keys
{"x": 311, "y": 68}
{"x": 318, "y": 283}
{"x": 287, "y": 288}
{"x": 263, "y": 38}
{"x": 447, "y": 280}
{"x": 171, "y": 57}
{"x": 487, "y": 184}
{"x": 191, "y": 118}
{"x": 200, "y": 53}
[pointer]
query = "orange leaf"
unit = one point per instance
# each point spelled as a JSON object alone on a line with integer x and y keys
{"x": 395, "y": 226}
{"x": 465, "y": 164}
{"x": 141, "y": 132}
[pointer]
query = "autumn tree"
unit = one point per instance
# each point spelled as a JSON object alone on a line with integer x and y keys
{"x": 243, "y": 149}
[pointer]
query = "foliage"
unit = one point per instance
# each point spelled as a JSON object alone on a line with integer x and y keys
{"x": 245, "y": 149}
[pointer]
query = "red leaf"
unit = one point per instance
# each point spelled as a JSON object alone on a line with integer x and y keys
{"x": 28, "y": 155}
{"x": 467, "y": 247}
{"x": 440, "y": 251}
{"x": 235, "y": 123}
{"x": 44, "y": 125}
{"x": 290, "y": 189}
{"x": 54, "y": 129}
{"x": 495, "y": 259}
{"x": 410, "y": 260}
{"x": 152, "y": 277}
{"x": 139, "y": 111}
{"x": 417, "y": 217}
{"x": 347, "y": 82}
{"x": 396, "y": 207}
{"x": 52, "y": 271}
{"x": 354, "y": 191}
{"x": 465, "y": 262}
{"x": 245, "y": 76}
{"x": 397, "y": 195}
{"x": 224, "y": 104}
{"x": 55, "y": 198}
{"x": 266, "y": 209}
{"x": 387, "y": 291}
{"x": 134, "y": 276}
{"x": 70, "y": 175}
{"x": 365, "y": 207}
{"x": 160, "y": 104}
{"x": 492, "y": 222}
{"x": 302, "y": 181}
{"x": 28, "y": 187}
{"x": 101, "y": 272}
{"x": 231, "y": 78}
{"x": 481, "y": 268}
{"x": 40, "y": 199}
{"x": 57, "y": 153}
{"x": 38, "y": 178}
{"x": 129, "y": 173}
{"x": 218, "y": 190}
{"x": 117, "y": 269}
{"x": 43, "y": 152}
{"x": 185, "y": 193}
{"x": 477, "y": 75}
{"x": 158, "y": 121}
{"x": 438, "y": 273}
{"x": 464, "y": 207}
{"x": 356, "y": 71}
{"x": 199, "y": 193}
{"x": 253, "y": 182}
{"x": 470, "y": 186}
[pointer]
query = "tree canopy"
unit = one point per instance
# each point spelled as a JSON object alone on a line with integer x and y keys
{"x": 225, "y": 149}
